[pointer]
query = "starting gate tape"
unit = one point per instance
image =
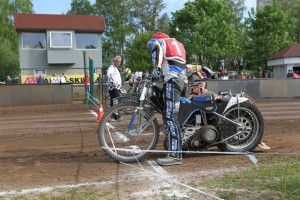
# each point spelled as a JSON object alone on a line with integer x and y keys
{"x": 136, "y": 150}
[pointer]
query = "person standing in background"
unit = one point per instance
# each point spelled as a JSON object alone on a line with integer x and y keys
{"x": 54, "y": 79}
{"x": 114, "y": 83}
{"x": 87, "y": 81}
{"x": 241, "y": 65}
{"x": 62, "y": 78}
{"x": 40, "y": 80}
{"x": 234, "y": 64}
{"x": 222, "y": 64}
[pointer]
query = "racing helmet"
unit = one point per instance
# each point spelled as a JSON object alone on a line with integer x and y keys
{"x": 127, "y": 70}
{"x": 207, "y": 70}
{"x": 160, "y": 35}
{"x": 155, "y": 40}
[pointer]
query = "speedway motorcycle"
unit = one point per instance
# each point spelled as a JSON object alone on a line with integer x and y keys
{"x": 231, "y": 122}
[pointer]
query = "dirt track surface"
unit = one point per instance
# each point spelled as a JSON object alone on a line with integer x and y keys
{"x": 57, "y": 145}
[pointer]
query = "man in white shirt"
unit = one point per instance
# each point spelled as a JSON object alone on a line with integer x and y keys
{"x": 114, "y": 83}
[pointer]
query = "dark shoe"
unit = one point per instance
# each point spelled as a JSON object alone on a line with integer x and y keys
{"x": 167, "y": 161}
{"x": 117, "y": 119}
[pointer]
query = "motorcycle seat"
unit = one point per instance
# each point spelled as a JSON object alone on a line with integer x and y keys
{"x": 204, "y": 98}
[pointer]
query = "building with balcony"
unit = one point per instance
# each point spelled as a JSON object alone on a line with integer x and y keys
{"x": 53, "y": 44}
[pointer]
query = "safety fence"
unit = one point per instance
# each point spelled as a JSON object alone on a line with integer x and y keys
{"x": 21, "y": 94}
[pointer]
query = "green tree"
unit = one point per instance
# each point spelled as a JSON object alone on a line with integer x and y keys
{"x": 138, "y": 58}
{"x": 205, "y": 27}
{"x": 81, "y": 7}
{"x": 9, "y": 62}
{"x": 125, "y": 21}
{"x": 238, "y": 8}
{"x": 118, "y": 26}
{"x": 147, "y": 14}
{"x": 268, "y": 31}
{"x": 9, "y": 57}
{"x": 293, "y": 6}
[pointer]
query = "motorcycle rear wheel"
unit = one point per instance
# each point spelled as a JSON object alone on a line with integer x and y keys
{"x": 121, "y": 139}
{"x": 252, "y": 132}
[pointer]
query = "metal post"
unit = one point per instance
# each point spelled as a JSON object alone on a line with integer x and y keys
{"x": 91, "y": 69}
{"x": 84, "y": 66}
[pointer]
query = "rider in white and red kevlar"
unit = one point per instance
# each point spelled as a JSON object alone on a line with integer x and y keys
{"x": 168, "y": 55}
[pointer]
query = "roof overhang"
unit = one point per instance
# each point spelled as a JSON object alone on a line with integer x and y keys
{"x": 283, "y": 61}
{"x": 42, "y": 22}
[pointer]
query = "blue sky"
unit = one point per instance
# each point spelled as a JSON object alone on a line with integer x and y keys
{"x": 62, "y": 6}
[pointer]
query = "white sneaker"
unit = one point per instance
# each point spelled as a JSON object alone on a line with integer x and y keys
{"x": 263, "y": 146}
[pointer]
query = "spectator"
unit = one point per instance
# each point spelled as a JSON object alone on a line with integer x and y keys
{"x": 87, "y": 80}
{"x": 15, "y": 80}
{"x": 114, "y": 83}
{"x": 295, "y": 75}
{"x": 241, "y": 65}
{"x": 243, "y": 76}
{"x": 54, "y": 79}
{"x": 234, "y": 64}
{"x": 40, "y": 80}
{"x": 222, "y": 64}
{"x": 260, "y": 75}
{"x": 8, "y": 80}
{"x": 62, "y": 78}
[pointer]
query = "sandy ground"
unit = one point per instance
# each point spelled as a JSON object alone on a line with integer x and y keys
{"x": 56, "y": 146}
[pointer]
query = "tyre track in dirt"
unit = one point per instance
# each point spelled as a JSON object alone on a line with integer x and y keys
{"x": 41, "y": 149}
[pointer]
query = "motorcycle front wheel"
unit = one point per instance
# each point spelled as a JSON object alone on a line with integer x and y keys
{"x": 128, "y": 138}
{"x": 249, "y": 134}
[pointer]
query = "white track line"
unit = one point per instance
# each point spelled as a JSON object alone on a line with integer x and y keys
{"x": 48, "y": 189}
{"x": 94, "y": 113}
{"x": 157, "y": 168}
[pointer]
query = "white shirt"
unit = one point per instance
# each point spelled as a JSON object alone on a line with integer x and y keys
{"x": 62, "y": 79}
{"x": 53, "y": 79}
{"x": 136, "y": 76}
{"x": 114, "y": 78}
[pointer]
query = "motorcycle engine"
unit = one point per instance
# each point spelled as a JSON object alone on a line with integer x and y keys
{"x": 204, "y": 136}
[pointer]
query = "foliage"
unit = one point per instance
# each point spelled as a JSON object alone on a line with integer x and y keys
{"x": 81, "y": 7}
{"x": 9, "y": 57}
{"x": 146, "y": 14}
{"x": 293, "y": 6}
{"x": 206, "y": 30}
{"x": 138, "y": 58}
{"x": 9, "y": 60}
{"x": 268, "y": 31}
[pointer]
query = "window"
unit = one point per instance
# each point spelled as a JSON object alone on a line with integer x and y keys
{"x": 267, "y": 3}
{"x": 33, "y": 40}
{"x": 39, "y": 72}
{"x": 60, "y": 40}
{"x": 86, "y": 41}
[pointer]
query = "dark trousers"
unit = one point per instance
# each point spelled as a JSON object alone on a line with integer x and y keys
{"x": 173, "y": 89}
{"x": 114, "y": 94}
